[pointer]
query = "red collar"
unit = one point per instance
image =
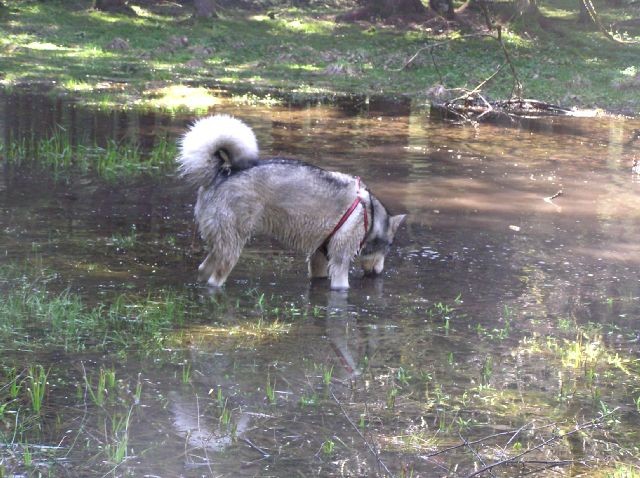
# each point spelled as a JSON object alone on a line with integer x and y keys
{"x": 347, "y": 215}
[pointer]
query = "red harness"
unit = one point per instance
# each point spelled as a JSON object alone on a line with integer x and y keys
{"x": 347, "y": 214}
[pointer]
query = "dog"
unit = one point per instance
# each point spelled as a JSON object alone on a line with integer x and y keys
{"x": 330, "y": 216}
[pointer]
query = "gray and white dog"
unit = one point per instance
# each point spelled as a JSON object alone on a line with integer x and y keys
{"x": 329, "y": 216}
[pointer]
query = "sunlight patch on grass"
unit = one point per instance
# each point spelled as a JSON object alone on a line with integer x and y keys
{"x": 75, "y": 85}
{"x": 44, "y": 46}
{"x": 297, "y": 25}
{"x": 307, "y": 67}
{"x": 557, "y": 12}
{"x": 516, "y": 40}
{"x": 148, "y": 15}
{"x": 121, "y": 21}
{"x": 182, "y": 97}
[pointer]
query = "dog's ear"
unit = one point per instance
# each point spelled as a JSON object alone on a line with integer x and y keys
{"x": 394, "y": 223}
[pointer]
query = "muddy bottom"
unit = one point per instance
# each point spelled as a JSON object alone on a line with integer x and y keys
{"x": 501, "y": 340}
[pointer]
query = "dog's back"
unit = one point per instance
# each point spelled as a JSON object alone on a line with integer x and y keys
{"x": 294, "y": 201}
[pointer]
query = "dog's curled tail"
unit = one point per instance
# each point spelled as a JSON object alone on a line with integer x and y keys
{"x": 211, "y": 141}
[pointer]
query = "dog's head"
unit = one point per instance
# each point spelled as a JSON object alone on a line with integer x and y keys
{"x": 380, "y": 237}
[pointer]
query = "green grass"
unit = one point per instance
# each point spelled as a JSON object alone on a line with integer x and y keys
{"x": 301, "y": 53}
{"x": 115, "y": 160}
{"x": 64, "y": 320}
{"x": 36, "y": 387}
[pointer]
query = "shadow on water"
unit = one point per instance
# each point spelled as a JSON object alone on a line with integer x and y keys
{"x": 506, "y": 316}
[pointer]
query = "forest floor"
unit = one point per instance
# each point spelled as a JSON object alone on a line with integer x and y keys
{"x": 161, "y": 56}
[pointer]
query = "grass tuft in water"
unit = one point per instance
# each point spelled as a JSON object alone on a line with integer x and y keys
{"x": 117, "y": 436}
{"x": 58, "y": 153}
{"x": 186, "y": 373}
{"x": 270, "y": 391}
{"x": 36, "y": 387}
{"x": 104, "y": 387}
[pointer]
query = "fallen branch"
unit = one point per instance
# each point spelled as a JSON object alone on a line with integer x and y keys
{"x": 472, "y": 106}
{"x": 516, "y": 460}
{"x": 514, "y": 433}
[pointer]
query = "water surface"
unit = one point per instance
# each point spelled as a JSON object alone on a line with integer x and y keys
{"x": 500, "y": 311}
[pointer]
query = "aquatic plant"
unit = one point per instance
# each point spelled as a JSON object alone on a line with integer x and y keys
{"x": 186, "y": 373}
{"x": 270, "y": 391}
{"x": 327, "y": 373}
{"x": 117, "y": 436}
{"x": 27, "y": 457}
{"x": 486, "y": 371}
{"x": 225, "y": 416}
{"x": 391, "y": 397}
{"x": 328, "y": 447}
{"x": 36, "y": 386}
{"x": 57, "y": 153}
{"x": 64, "y": 319}
{"x": 104, "y": 387}
{"x": 308, "y": 400}
{"x": 137, "y": 394}
{"x": 124, "y": 241}
{"x": 13, "y": 382}
{"x": 220, "y": 399}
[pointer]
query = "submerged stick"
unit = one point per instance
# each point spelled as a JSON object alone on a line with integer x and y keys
{"x": 556, "y": 195}
{"x": 514, "y": 460}
{"x": 256, "y": 447}
{"x": 373, "y": 451}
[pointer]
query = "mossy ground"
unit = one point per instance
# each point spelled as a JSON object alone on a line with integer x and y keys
{"x": 305, "y": 53}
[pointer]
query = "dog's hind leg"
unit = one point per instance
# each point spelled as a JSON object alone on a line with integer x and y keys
{"x": 225, "y": 240}
{"x": 318, "y": 265}
{"x": 215, "y": 270}
{"x": 205, "y": 270}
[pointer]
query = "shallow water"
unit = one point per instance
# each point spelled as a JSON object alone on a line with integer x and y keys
{"x": 500, "y": 310}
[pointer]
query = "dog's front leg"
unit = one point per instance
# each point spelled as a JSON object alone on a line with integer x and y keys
{"x": 339, "y": 273}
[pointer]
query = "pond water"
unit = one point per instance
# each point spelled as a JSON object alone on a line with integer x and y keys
{"x": 503, "y": 338}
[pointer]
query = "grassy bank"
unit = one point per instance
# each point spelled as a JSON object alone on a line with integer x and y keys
{"x": 138, "y": 60}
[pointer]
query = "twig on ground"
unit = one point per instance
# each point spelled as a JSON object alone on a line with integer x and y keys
{"x": 431, "y": 46}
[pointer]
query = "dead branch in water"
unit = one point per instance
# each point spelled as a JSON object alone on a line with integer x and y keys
{"x": 474, "y": 107}
{"x": 519, "y": 459}
{"x": 556, "y": 195}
